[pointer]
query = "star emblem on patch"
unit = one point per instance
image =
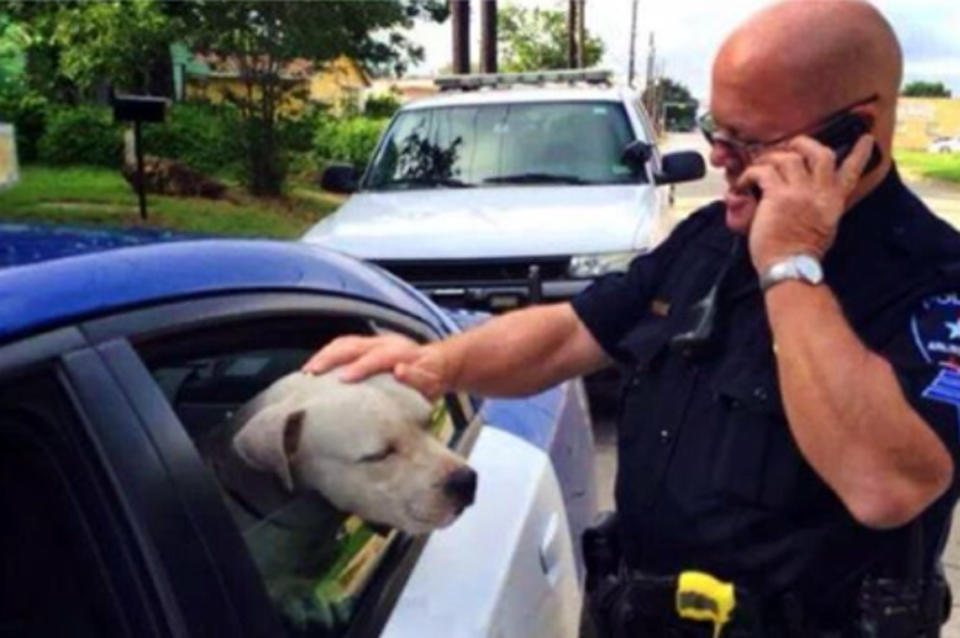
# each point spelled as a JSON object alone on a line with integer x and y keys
{"x": 954, "y": 328}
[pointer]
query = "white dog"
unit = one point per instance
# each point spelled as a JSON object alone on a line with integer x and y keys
{"x": 363, "y": 446}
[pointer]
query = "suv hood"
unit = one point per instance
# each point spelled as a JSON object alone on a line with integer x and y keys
{"x": 502, "y": 221}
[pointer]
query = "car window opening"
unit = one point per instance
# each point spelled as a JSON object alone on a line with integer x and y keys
{"x": 316, "y": 561}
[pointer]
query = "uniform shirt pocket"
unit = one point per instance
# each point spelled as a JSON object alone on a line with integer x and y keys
{"x": 756, "y": 461}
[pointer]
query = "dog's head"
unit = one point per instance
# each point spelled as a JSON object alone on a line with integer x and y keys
{"x": 364, "y": 446}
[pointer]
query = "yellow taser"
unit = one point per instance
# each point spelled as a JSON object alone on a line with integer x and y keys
{"x": 700, "y": 596}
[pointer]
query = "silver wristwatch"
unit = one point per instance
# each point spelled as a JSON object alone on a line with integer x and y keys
{"x": 801, "y": 267}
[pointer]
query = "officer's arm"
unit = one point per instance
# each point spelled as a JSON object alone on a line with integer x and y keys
{"x": 511, "y": 355}
{"x": 846, "y": 409}
{"x": 848, "y": 413}
{"x": 522, "y": 352}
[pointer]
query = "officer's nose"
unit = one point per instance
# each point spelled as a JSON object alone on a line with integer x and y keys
{"x": 461, "y": 485}
{"x": 722, "y": 156}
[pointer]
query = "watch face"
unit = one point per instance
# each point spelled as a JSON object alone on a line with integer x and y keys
{"x": 809, "y": 268}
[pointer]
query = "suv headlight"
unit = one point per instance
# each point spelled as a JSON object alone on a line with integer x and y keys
{"x": 587, "y": 266}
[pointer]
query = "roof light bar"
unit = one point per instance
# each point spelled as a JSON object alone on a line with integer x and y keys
{"x": 481, "y": 80}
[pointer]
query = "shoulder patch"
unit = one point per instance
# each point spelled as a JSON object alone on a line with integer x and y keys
{"x": 936, "y": 329}
{"x": 936, "y": 332}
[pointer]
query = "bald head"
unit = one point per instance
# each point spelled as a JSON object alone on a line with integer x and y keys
{"x": 789, "y": 67}
{"x": 802, "y": 57}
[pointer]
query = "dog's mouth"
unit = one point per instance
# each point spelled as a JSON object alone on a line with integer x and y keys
{"x": 434, "y": 521}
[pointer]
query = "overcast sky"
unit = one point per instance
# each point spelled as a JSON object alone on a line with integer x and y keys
{"x": 689, "y": 31}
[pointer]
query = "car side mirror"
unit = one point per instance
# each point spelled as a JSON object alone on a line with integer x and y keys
{"x": 683, "y": 166}
{"x": 636, "y": 154}
{"x": 339, "y": 178}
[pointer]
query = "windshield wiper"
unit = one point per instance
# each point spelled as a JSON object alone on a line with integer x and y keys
{"x": 426, "y": 181}
{"x": 536, "y": 178}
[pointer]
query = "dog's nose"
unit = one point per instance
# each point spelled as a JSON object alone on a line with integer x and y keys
{"x": 461, "y": 485}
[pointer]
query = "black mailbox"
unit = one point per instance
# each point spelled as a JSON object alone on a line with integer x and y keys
{"x": 139, "y": 108}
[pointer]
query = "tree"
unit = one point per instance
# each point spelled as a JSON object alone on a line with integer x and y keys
{"x": 674, "y": 105}
{"x": 76, "y": 47}
{"x": 674, "y": 91}
{"x": 13, "y": 41}
{"x": 536, "y": 39}
{"x": 920, "y": 88}
{"x": 263, "y": 38}
{"x": 112, "y": 41}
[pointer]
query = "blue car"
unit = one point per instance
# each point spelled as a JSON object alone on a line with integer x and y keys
{"x": 114, "y": 367}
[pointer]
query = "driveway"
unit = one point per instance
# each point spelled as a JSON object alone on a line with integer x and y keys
{"x": 944, "y": 199}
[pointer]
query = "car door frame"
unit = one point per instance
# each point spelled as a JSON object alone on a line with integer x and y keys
{"x": 114, "y": 337}
{"x": 140, "y": 497}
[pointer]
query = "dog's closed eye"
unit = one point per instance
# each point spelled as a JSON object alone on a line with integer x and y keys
{"x": 379, "y": 456}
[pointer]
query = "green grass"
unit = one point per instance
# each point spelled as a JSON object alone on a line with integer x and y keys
{"x": 944, "y": 166}
{"x": 87, "y": 196}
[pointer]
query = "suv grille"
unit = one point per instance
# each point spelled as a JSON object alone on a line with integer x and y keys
{"x": 466, "y": 271}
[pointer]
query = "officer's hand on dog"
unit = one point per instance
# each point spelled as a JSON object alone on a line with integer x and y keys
{"x": 803, "y": 198}
{"x": 422, "y": 367}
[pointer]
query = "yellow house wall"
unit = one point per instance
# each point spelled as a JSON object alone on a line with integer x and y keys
{"x": 216, "y": 90}
{"x": 338, "y": 82}
{"x": 921, "y": 120}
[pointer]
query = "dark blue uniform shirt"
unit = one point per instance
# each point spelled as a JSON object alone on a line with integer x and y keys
{"x": 709, "y": 475}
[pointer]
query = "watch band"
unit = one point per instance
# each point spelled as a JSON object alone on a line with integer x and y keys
{"x": 802, "y": 267}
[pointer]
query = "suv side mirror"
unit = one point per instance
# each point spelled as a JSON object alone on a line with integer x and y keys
{"x": 684, "y": 166}
{"x": 636, "y": 154}
{"x": 339, "y": 178}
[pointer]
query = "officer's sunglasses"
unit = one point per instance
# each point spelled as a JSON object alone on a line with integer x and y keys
{"x": 748, "y": 150}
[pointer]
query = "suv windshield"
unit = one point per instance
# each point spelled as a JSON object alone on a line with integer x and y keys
{"x": 519, "y": 143}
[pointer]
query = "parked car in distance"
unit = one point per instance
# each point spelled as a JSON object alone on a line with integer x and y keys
{"x": 115, "y": 368}
{"x": 510, "y": 188}
{"x": 945, "y": 145}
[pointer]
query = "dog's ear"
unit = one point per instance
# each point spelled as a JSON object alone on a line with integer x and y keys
{"x": 269, "y": 440}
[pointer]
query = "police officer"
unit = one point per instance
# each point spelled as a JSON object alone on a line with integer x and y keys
{"x": 790, "y": 420}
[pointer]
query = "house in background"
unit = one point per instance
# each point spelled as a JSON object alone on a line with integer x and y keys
{"x": 921, "y": 120}
{"x": 406, "y": 89}
{"x": 340, "y": 84}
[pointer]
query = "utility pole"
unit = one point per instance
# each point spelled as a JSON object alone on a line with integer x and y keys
{"x": 488, "y": 33}
{"x": 648, "y": 87}
{"x": 572, "y": 30}
{"x": 631, "y": 70}
{"x": 581, "y": 33}
{"x": 661, "y": 120}
{"x": 460, "y": 19}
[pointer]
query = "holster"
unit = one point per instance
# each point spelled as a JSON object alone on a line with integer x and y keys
{"x": 894, "y": 608}
{"x": 601, "y": 549}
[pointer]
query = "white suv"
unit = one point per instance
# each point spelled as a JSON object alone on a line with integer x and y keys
{"x": 494, "y": 196}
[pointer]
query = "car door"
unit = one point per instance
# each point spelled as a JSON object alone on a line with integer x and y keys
{"x": 91, "y": 521}
{"x": 186, "y": 368}
{"x": 507, "y": 568}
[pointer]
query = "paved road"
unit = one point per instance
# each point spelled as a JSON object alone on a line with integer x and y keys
{"x": 943, "y": 199}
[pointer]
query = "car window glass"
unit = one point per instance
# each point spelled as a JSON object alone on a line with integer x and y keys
{"x": 473, "y": 144}
{"x": 52, "y": 574}
{"x": 316, "y": 562}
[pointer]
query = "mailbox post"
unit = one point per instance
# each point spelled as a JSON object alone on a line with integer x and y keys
{"x": 139, "y": 109}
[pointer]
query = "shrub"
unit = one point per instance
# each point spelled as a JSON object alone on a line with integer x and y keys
{"x": 27, "y": 111}
{"x": 81, "y": 135}
{"x": 379, "y": 106}
{"x": 205, "y": 137}
{"x": 350, "y": 140}
{"x": 296, "y": 134}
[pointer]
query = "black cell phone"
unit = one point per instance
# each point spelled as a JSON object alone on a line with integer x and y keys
{"x": 841, "y": 134}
